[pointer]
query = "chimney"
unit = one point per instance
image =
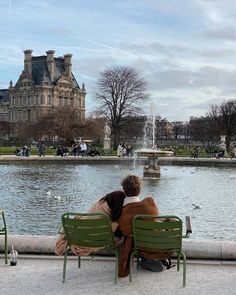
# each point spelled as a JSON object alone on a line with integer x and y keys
{"x": 51, "y": 63}
{"x": 28, "y": 61}
{"x": 68, "y": 64}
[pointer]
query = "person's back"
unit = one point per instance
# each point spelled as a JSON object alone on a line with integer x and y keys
{"x": 110, "y": 204}
{"x": 145, "y": 207}
{"x": 133, "y": 206}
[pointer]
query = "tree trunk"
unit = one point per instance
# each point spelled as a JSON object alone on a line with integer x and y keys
{"x": 116, "y": 137}
{"x": 227, "y": 142}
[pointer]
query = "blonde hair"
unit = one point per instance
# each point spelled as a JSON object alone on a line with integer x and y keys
{"x": 131, "y": 185}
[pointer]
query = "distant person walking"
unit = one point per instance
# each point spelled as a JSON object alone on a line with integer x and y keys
{"x": 83, "y": 148}
{"x": 75, "y": 149}
{"x": 41, "y": 148}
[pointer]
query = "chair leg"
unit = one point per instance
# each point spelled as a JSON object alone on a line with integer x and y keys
{"x": 131, "y": 266}
{"x": 184, "y": 269}
{"x": 6, "y": 248}
{"x": 116, "y": 268}
{"x": 64, "y": 268}
{"x": 178, "y": 261}
{"x": 137, "y": 261}
{"x": 79, "y": 262}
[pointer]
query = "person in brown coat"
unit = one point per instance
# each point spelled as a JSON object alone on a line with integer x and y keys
{"x": 133, "y": 206}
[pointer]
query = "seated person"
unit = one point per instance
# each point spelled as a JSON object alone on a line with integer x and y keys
{"x": 18, "y": 152}
{"x": 133, "y": 206}
{"x": 233, "y": 154}
{"x": 221, "y": 153}
{"x": 111, "y": 204}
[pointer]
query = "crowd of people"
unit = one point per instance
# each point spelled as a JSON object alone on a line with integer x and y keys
{"x": 80, "y": 149}
{"x": 121, "y": 206}
{"x": 217, "y": 153}
{"x": 83, "y": 149}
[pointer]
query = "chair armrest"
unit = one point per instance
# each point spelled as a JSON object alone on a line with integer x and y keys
{"x": 188, "y": 227}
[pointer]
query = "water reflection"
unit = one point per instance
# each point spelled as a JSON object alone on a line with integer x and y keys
{"x": 31, "y": 209}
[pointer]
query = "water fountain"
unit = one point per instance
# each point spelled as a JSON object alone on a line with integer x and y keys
{"x": 151, "y": 168}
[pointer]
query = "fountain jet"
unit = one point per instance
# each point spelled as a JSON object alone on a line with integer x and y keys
{"x": 151, "y": 168}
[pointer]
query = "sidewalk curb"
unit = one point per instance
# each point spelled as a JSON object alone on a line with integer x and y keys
{"x": 196, "y": 249}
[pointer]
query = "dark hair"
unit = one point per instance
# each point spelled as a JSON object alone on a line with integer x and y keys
{"x": 131, "y": 185}
{"x": 115, "y": 202}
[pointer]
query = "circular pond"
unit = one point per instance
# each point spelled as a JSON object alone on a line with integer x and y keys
{"x": 34, "y": 196}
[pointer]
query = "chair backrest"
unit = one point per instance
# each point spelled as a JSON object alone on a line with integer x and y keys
{"x": 88, "y": 230}
{"x": 155, "y": 234}
{"x": 3, "y": 225}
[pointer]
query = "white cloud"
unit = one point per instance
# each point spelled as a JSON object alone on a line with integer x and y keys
{"x": 184, "y": 49}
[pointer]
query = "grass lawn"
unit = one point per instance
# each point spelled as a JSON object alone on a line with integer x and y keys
{"x": 8, "y": 150}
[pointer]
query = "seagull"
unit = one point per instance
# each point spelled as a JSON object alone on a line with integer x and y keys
{"x": 196, "y": 206}
{"x": 48, "y": 193}
{"x": 57, "y": 197}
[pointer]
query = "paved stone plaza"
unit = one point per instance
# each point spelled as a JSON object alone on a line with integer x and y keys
{"x": 38, "y": 276}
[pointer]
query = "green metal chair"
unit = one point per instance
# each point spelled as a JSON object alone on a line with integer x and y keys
{"x": 158, "y": 234}
{"x": 3, "y": 232}
{"x": 88, "y": 230}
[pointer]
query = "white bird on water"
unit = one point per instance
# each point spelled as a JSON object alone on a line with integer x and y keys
{"x": 197, "y": 206}
{"x": 48, "y": 193}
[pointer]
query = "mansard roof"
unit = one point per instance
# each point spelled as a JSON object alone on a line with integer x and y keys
{"x": 4, "y": 95}
{"x": 40, "y": 73}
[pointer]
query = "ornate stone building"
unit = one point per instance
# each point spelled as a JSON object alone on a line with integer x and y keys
{"x": 46, "y": 83}
{"x": 4, "y": 104}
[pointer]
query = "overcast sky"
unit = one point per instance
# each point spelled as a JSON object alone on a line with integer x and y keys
{"x": 184, "y": 49}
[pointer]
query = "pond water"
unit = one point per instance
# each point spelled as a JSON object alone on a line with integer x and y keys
{"x": 34, "y": 196}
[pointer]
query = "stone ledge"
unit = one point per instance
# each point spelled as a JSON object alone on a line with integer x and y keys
{"x": 179, "y": 161}
{"x": 196, "y": 249}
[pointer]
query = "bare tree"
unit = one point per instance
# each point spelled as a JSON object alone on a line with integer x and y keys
{"x": 224, "y": 116}
{"x": 60, "y": 123}
{"x": 121, "y": 92}
{"x": 177, "y": 129}
{"x": 205, "y": 131}
{"x": 93, "y": 128}
{"x": 6, "y": 131}
{"x": 136, "y": 130}
{"x": 163, "y": 128}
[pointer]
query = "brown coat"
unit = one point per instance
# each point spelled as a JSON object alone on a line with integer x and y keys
{"x": 147, "y": 207}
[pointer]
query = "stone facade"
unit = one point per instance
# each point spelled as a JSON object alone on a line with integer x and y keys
{"x": 4, "y": 104}
{"x": 46, "y": 83}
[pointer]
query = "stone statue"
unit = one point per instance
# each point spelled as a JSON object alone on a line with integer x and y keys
{"x": 222, "y": 142}
{"x": 107, "y": 132}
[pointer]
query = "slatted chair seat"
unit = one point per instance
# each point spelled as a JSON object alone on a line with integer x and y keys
{"x": 153, "y": 234}
{"x": 92, "y": 230}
